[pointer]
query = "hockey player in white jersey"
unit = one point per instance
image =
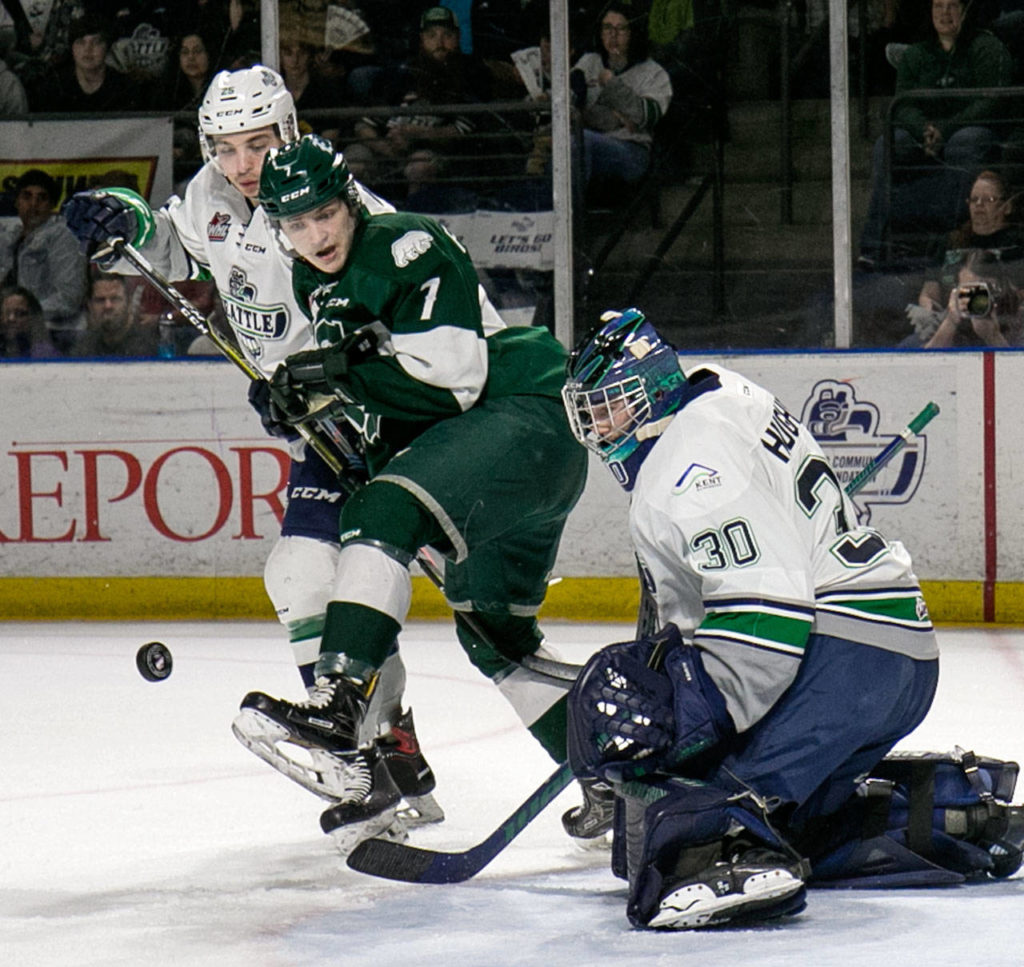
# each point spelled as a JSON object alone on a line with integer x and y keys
{"x": 795, "y": 647}
{"x": 218, "y": 231}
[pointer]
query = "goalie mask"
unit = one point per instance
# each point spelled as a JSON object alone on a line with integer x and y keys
{"x": 246, "y": 100}
{"x": 621, "y": 382}
{"x": 304, "y": 175}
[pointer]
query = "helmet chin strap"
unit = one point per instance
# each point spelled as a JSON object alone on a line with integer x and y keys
{"x": 654, "y": 429}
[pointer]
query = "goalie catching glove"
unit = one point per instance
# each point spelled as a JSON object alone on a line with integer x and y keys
{"x": 96, "y": 218}
{"x": 299, "y": 384}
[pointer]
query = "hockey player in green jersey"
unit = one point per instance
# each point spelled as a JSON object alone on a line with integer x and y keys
{"x": 468, "y": 452}
{"x": 217, "y": 230}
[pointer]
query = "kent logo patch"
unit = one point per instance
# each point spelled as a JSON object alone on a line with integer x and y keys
{"x": 218, "y": 227}
{"x": 697, "y": 477}
{"x": 410, "y": 247}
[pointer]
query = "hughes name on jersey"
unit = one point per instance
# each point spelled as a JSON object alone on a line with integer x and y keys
{"x": 751, "y": 545}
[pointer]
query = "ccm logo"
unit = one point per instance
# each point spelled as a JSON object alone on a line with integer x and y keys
{"x": 314, "y": 493}
{"x": 298, "y": 193}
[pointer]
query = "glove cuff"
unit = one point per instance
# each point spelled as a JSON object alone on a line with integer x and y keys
{"x": 145, "y": 223}
{"x": 336, "y": 366}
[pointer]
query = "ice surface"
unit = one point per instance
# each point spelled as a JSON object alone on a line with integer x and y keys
{"x": 135, "y": 830}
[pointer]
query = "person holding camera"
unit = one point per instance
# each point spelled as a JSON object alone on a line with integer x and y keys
{"x": 984, "y": 307}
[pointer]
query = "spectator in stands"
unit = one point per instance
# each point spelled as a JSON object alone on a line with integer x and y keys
{"x": 188, "y": 74}
{"x": 88, "y": 84}
{"x": 23, "y": 333}
{"x": 177, "y": 335}
{"x": 308, "y": 88}
{"x": 439, "y": 74}
{"x": 111, "y": 326}
{"x": 351, "y": 59}
{"x": 39, "y": 253}
{"x": 491, "y": 29}
{"x": 13, "y": 99}
{"x": 984, "y": 308}
{"x": 532, "y": 65}
{"x": 991, "y": 225}
{"x": 622, "y": 94}
{"x": 953, "y": 133}
{"x": 43, "y": 41}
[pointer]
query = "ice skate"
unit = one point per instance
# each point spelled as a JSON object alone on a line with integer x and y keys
{"x": 314, "y": 742}
{"x": 369, "y": 808}
{"x": 590, "y": 823}
{"x": 400, "y": 750}
{"x": 755, "y": 886}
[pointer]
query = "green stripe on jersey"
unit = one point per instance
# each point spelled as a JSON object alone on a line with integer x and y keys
{"x": 899, "y": 609}
{"x": 769, "y": 628}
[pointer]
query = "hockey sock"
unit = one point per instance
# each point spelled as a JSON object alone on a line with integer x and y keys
{"x": 549, "y": 730}
{"x": 362, "y": 633}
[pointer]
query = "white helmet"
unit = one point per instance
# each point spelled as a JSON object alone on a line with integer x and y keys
{"x": 243, "y": 100}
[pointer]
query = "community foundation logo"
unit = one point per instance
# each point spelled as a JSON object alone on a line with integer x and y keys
{"x": 852, "y": 434}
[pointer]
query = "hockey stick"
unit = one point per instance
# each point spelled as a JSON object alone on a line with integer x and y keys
{"x": 317, "y": 441}
{"x": 914, "y": 427}
{"x": 398, "y": 861}
{"x": 330, "y": 446}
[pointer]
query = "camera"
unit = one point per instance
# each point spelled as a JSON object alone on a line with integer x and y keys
{"x": 978, "y": 299}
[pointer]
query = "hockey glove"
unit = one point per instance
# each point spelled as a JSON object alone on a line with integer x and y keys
{"x": 96, "y": 218}
{"x": 304, "y": 376}
{"x": 271, "y": 417}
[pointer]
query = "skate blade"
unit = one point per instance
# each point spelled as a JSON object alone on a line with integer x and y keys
{"x": 421, "y": 811}
{"x": 593, "y": 844}
{"x": 386, "y": 825}
{"x": 317, "y": 771}
{"x": 697, "y": 905}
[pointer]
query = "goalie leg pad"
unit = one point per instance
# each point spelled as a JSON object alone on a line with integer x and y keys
{"x": 923, "y": 819}
{"x": 685, "y": 838}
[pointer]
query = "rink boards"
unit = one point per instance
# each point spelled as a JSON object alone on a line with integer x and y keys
{"x": 135, "y": 489}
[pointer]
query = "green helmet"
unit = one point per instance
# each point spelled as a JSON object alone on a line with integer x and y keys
{"x": 303, "y": 175}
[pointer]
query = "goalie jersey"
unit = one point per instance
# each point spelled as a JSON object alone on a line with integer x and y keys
{"x": 750, "y": 546}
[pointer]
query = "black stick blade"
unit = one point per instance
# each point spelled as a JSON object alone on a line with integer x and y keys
{"x": 398, "y": 861}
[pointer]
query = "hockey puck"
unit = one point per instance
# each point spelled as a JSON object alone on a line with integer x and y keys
{"x": 154, "y": 661}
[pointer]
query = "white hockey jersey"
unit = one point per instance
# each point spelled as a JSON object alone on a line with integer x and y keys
{"x": 750, "y": 545}
{"x": 214, "y": 233}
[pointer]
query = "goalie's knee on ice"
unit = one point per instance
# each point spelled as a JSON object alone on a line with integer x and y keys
{"x": 669, "y": 831}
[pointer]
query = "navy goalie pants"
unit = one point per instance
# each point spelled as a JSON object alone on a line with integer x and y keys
{"x": 848, "y": 706}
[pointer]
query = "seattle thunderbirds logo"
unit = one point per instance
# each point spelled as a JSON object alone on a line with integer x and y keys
{"x": 254, "y": 324}
{"x": 848, "y": 431}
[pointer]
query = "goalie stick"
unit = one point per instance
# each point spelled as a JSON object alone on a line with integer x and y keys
{"x": 323, "y": 438}
{"x": 397, "y": 861}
